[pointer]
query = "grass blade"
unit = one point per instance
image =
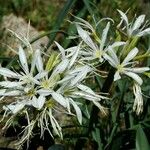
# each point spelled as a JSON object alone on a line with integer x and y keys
{"x": 141, "y": 140}
{"x": 60, "y": 18}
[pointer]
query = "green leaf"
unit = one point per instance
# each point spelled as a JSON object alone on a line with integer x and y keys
{"x": 56, "y": 147}
{"x": 59, "y": 20}
{"x": 87, "y": 4}
{"x": 97, "y": 138}
{"x": 141, "y": 140}
{"x": 147, "y": 74}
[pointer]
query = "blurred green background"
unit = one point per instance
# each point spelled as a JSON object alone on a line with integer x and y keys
{"x": 50, "y": 18}
{"x": 43, "y": 14}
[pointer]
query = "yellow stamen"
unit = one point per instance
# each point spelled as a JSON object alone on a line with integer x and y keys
{"x": 50, "y": 103}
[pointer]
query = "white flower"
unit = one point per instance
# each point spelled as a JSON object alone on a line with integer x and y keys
{"x": 122, "y": 67}
{"x": 138, "y": 102}
{"x": 27, "y": 76}
{"x": 95, "y": 50}
{"x": 36, "y": 87}
{"x": 71, "y": 79}
{"x": 71, "y": 93}
{"x": 136, "y": 28}
{"x": 24, "y": 87}
{"x": 25, "y": 96}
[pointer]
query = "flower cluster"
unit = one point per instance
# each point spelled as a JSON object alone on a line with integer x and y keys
{"x": 47, "y": 88}
{"x": 121, "y": 55}
{"x": 136, "y": 28}
{"x": 56, "y": 85}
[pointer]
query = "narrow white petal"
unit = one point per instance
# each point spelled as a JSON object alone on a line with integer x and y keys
{"x": 14, "y": 108}
{"x": 104, "y": 36}
{"x": 81, "y": 94}
{"x": 41, "y": 75}
{"x": 138, "y": 22}
{"x": 134, "y": 77}
{"x": 110, "y": 60}
{"x": 130, "y": 55}
{"x": 90, "y": 92}
{"x": 39, "y": 62}
{"x": 138, "y": 70}
{"x": 124, "y": 17}
{"x": 113, "y": 55}
{"x": 11, "y": 93}
{"x": 85, "y": 23}
{"x": 74, "y": 57}
{"x": 99, "y": 106}
{"x": 144, "y": 32}
{"x": 77, "y": 70}
{"x": 77, "y": 109}
{"x": 117, "y": 44}
{"x": 23, "y": 60}
{"x": 9, "y": 84}
{"x": 62, "y": 50}
{"x": 38, "y": 102}
{"x": 86, "y": 89}
{"x": 117, "y": 76}
{"x": 86, "y": 38}
{"x": 61, "y": 67}
{"x": 55, "y": 125}
{"x": 80, "y": 76}
{"x": 59, "y": 98}
{"x": 44, "y": 92}
{"x": 8, "y": 73}
{"x": 65, "y": 79}
{"x": 70, "y": 51}
{"x": 87, "y": 58}
{"x": 2, "y": 91}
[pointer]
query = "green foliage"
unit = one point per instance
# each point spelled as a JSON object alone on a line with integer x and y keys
{"x": 141, "y": 140}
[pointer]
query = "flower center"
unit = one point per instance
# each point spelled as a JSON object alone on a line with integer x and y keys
{"x": 98, "y": 53}
{"x": 31, "y": 92}
{"x": 120, "y": 68}
{"x": 50, "y": 103}
{"x": 45, "y": 84}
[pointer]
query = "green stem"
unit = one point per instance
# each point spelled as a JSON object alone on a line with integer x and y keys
{"x": 111, "y": 135}
{"x": 63, "y": 12}
{"x": 142, "y": 56}
{"x": 105, "y": 89}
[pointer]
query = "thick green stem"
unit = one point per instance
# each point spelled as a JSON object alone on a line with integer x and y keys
{"x": 61, "y": 16}
{"x": 105, "y": 89}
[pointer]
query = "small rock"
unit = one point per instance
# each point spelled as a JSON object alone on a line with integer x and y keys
{"x": 21, "y": 28}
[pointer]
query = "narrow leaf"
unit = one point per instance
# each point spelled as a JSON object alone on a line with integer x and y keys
{"x": 141, "y": 140}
